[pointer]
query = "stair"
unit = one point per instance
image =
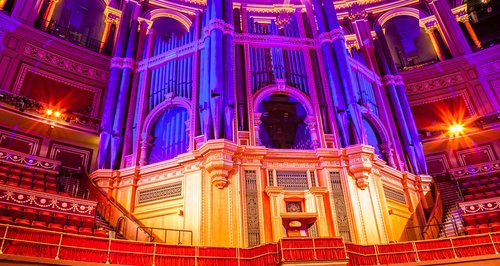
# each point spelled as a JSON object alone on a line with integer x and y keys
{"x": 452, "y": 221}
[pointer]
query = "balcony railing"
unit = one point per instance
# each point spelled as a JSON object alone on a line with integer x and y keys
{"x": 73, "y": 35}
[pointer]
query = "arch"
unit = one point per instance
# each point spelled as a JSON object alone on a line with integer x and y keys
{"x": 160, "y": 109}
{"x": 284, "y": 90}
{"x": 168, "y": 13}
{"x": 377, "y": 123}
{"x": 402, "y": 11}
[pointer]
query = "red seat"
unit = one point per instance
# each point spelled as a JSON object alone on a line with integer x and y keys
{"x": 30, "y": 214}
{"x": 50, "y": 187}
{"x": 60, "y": 218}
{"x": 6, "y": 220}
{"x": 74, "y": 220}
{"x": 494, "y": 217}
{"x": 483, "y": 228}
{"x": 70, "y": 229}
{"x": 88, "y": 222}
{"x": 471, "y": 230}
{"x": 469, "y": 197}
{"x": 23, "y": 222}
{"x": 12, "y": 182}
{"x": 39, "y": 224}
{"x": 100, "y": 233}
{"x": 14, "y": 211}
{"x": 495, "y": 227}
{"x": 45, "y": 216}
{"x": 482, "y": 218}
{"x": 86, "y": 231}
{"x": 55, "y": 227}
{"x": 64, "y": 193}
{"x": 3, "y": 208}
{"x": 470, "y": 219}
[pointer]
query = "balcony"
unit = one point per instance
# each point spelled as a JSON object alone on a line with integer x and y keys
{"x": 73, "y": 36}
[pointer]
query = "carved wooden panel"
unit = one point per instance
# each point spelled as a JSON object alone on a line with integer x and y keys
{"x": 338, "y": 201}
{"x": 252, "y": 207}
{"x": 159, "y": 193}
{"x": 72, "y": 157}
{"x": 19, "y": 141}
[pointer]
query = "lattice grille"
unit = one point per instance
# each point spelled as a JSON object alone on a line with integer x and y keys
{"x": 252, "y": 208}
{"x": 337, "y": 198}
{"x": 159, "y": 193}
{"x": 292, "y": 181}
{"x": 394, "y": 195}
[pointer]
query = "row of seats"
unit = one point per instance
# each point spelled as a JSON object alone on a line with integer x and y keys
{"x": 71, "y": 229}
{"x": 26, "y": 177}
{"x": 482, "y": 228}
{"x": 482, "y": 195}
{"x": 479, "y": 184}
{"x": 30, "y": 214}
{"x": 482, "y": 218}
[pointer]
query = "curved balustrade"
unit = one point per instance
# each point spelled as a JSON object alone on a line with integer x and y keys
{"x": 56, "y": 245}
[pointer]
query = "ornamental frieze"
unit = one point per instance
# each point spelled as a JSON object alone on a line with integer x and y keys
{"x": 64, "y": 63}
{"x": 480, "y": 206}
{"x": 29, "y": 160}
{"x": 46, "y": 201}
{"x": 434, "y": 84}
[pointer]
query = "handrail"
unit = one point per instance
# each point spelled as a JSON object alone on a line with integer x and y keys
{"x": 114, "y": 206}
{"x": 165, "y": 230}
{"x": 338, "y": 248}
{"x": 436, "y": 215}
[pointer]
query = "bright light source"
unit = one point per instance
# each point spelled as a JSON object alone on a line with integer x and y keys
{"x": 456, "y": 129}
{"x": 57, "y": 114}
{"x": 48, "y": 112}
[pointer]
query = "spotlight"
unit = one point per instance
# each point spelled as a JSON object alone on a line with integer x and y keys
{"x": 456, "y": 129}
{"x": 57, "y": 114}
{"x": 49, "y": 112}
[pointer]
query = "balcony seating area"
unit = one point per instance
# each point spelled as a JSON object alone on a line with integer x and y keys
{"x": 13, "y": 174}
{"x": 480, "y": 189}
{"x": 30, "y": 196}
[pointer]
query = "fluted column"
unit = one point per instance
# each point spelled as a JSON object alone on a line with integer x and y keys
{"x": 430, "y": 30}
{"x": 453, "y": 35}
{"x": 346, "y": 76}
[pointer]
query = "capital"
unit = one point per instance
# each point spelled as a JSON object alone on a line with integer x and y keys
{"x": 360, "y": 163}
{"x": 357, "y": 12}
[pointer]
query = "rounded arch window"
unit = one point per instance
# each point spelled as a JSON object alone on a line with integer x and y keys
{"x": 409, "y": 44}
{"x": 169, "y": 134}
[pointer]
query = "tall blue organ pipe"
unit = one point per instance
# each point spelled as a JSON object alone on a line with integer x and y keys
{"x": 405, "y": 105}
{"x": 333, "y": 77}
{"x": 121, "y": 108}
{"x": 240, "y": 76}
{"x": 346, "y": 76}
{"x": 103, "y": 160}
{"x": 397, "y": 109}
{"x": 216, "y": 69}
{"x": 134, "y": 96}
{"x": 228, "y": 86}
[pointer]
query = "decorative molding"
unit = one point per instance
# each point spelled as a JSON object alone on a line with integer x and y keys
{"x": 159, "y": 193}
{"x": 57, "y": 148}
{"x": 29, "y": 160}
{"x": 330, "y": 37}
{"x": 46, "y": 201}
{"x": 480, "y": 206}
{"x": 217, "y": 24}
{"x": 64, "y": 63}
{"x": 474, "y": 170}
{"x": 435, "y": 83}
{"x": 360, "y": 163}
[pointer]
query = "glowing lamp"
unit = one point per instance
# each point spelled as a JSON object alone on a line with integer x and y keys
{"x": 456, "y": 129}
{"x": 49, "y": 112}
{"x": 57, "y": 114}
